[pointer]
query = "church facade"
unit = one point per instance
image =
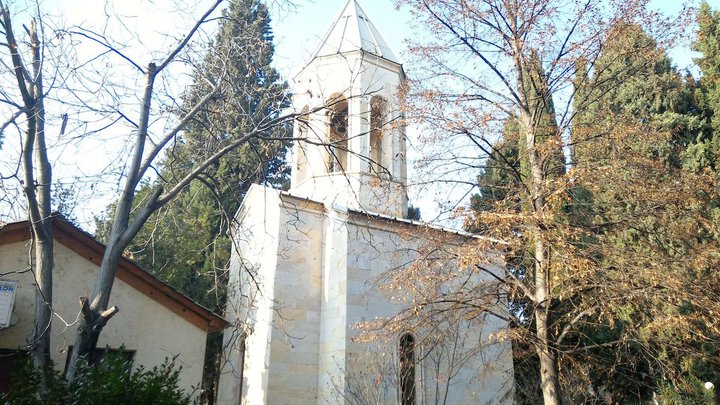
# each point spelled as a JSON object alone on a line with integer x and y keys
{"x": 308, "y": 265}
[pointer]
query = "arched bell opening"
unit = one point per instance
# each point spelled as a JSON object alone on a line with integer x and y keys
{"x": 378, "y": 129}
{"x": 337, "y": 134}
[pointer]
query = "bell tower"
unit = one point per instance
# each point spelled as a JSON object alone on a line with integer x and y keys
{"x": 351, "y": 137}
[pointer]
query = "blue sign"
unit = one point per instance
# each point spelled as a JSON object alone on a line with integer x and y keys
{"x": 7, "y": 300}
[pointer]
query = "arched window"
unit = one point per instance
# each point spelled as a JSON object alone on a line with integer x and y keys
{"x": 242, "y": 347}
{"x": 303, "y": 123}
{"x": 304, "y": 120}
{"x": 407, "y": 369}
{"x": 377, "y": 121}
{"x": 337, "y": 134}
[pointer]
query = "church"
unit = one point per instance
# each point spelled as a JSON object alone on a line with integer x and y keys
{"x": 308, "y": 265}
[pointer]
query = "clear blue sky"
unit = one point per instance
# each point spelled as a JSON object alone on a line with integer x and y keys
{"x": 298, "y": 31}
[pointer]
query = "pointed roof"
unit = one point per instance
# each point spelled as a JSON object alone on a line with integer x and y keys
{"x": 351, "y": 31}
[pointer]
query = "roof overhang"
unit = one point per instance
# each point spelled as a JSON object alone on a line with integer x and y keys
{"x": 128, "y": 271}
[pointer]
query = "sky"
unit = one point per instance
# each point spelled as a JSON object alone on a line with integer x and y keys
{"x": 297, "y": 30}
{"x": 145, "y": 23}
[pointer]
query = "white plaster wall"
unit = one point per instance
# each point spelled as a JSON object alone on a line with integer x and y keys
{"x": 153, "y": 331}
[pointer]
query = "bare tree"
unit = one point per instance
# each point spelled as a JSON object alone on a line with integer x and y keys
{"x": 147, "y": 149}
{"x": 26, "y": 62}
{"x": 158, "y": 105}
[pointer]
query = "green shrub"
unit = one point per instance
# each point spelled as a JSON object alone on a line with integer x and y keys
{"x": 114, "y": 380}
{"x": 689, "y": 391}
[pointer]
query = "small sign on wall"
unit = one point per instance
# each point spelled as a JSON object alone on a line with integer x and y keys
{"x": 7, "y": 300}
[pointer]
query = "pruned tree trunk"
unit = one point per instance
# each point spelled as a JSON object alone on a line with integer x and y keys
{"x": 94, "y": 313}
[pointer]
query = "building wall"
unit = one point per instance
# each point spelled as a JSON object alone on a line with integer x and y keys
{"x": 332, "y": 352}
{"x": 298, "y": 304}
{"x": 151, "y": 330}
{"x": 276, "y": 289}
{"x": 317, "y": 281}
{"x": 481, "y": 365}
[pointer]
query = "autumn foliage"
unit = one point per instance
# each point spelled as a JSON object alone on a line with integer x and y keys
{"x": 597, "y": 183}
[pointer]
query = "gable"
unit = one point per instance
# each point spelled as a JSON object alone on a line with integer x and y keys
{"x": 87, "y": 247}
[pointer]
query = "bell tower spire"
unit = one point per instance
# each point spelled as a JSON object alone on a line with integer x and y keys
{"x": 351, "y": 137}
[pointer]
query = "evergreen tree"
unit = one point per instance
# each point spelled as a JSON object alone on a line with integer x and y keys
{"x": 650, "y": 93}
{"x": 708, "y": 92}
{"x": 541, "y": 106}
{"x": 500, "y": 176}
{"x": 644, "y": 134}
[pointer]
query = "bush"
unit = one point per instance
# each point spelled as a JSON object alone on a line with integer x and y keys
{"x": 689, "y": 391}
{"x": 112, "y": 381}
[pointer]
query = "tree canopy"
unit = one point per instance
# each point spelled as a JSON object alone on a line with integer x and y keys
{"x": 609, "y": 271}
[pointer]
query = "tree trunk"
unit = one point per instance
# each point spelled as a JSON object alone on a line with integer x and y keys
{"x": 94, "y": 315}
{"x": 40, "y": 338}
{"x": 88, "y": 333}
{"x": 41, "y": 217}
{"x": 36, "y": 188}
{"x": 549, "y": 380}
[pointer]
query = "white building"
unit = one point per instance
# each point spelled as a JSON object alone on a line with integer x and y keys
{"x": 308, "y": 262}
{"x": 155, "y": 322}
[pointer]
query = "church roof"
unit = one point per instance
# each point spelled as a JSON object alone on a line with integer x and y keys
{"x": 370, "y": 215}
{"x": 352, "y": 31}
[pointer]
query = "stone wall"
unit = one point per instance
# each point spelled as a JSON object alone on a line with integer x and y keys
{"x": 318, "y": 272}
